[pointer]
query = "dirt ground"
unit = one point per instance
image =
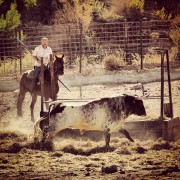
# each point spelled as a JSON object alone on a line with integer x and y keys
{"x": 72, "y": 156}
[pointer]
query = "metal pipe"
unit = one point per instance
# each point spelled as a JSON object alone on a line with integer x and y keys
{"x": 64, "y": 85}
{"x": 169, "y": 84}
{"x": 23, "y": 45}
{"x": 162, "y": 86}
{"x": 42, "y": 88}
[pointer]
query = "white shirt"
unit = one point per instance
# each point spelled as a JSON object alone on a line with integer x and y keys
{"x": 39, "y": 52}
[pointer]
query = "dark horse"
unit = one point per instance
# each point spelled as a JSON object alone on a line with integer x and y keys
{"x": 26, "y": 85}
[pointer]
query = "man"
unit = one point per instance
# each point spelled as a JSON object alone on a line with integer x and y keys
{"x": 43, "y": 51}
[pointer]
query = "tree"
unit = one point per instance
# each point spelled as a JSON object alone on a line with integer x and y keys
{"x": 134, "y": 10}
{"x": 12, "y": 18}
{"x": 175, "y": 33}
{"x": 10, "y": 12}
{"x": 163, "y": 8}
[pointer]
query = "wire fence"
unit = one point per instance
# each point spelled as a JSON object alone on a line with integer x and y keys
{"x": 130, "y": 40}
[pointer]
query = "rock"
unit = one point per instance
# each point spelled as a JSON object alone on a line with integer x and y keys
{"x": 110, "y": 169}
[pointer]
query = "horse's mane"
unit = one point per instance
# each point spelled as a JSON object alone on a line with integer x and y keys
{"x": 47, "y": 75}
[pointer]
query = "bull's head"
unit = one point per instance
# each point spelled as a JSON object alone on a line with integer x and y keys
{"x": 134, "y": 105}
{"x": 59, "y": 65}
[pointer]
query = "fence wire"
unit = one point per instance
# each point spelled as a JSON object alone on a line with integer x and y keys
{"x": 131, "y": 40}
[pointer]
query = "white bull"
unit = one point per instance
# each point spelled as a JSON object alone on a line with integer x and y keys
{"x": 106, "y": 114}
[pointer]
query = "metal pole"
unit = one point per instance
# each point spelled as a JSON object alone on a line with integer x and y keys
{"x": 80, "y": 61}
{"x": 42, "y": 88}
{"x": 169, "y": 84}
{"x": 52, "y": 78}
{"x": 162, "y": 86}
{"x": 141, "y": 43}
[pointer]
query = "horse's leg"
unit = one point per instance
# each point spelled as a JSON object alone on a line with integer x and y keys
{"x": 34, "y": 99}
{"x": 107, "y": 136}
{"x": 125, "y": 132}
{"x": 19, "y": 102}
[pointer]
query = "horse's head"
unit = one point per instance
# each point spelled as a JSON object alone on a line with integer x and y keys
{"x": 59, "y": 65}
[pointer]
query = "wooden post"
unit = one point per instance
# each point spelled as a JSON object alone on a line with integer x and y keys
{"x": 42, "y": 88}
{"x": 162, "y": 86}
{"x": 80, "y": 60}
{"x": 126, "y": 40}
{"x": 20, "y": 56}
{"x": 70, "y": 45}
{"x": 52, "y": 78}
{"x": 169, "y": 85}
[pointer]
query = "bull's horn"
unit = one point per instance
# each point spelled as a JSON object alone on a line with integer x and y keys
{"x": 142, "y": 97}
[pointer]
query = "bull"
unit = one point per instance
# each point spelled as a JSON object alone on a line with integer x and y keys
{"x": 106, "y": 114}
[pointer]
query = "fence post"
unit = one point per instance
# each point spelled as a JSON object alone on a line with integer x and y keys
{"x": 4, "y": 53}
{"x": 169, "y": 84}
{"x": 20, "y": 56}
{"x": 70, "y": 45}
{"x": 80, "y": 60}
{"x": 162, "y": 86}
{"x": 126, "y": 40}
{"x": 42, "y": 88}
{"x": 141, "y": 44}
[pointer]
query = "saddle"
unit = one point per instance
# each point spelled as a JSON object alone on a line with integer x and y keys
{"x": 31, "y": 74}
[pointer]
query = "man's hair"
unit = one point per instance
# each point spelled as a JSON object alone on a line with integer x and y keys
{"x": 44, "y": 38}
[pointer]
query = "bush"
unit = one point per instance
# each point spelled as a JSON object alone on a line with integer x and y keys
{"x": 113, "y": 62}
{"x": 134, "y": 10}
{"x": 175, "y": 32}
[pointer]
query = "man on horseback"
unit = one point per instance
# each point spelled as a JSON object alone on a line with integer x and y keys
{"x": 41, "y": 51}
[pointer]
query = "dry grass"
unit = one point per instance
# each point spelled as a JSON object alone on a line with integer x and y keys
{"x": 161, "y": 144}
{"x": 113, "y": 62}
{"x": 77, "y": 157}
{"x": 12, "y": 66}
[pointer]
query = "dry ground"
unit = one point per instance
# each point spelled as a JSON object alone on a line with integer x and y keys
{"x": 80, "y": 157}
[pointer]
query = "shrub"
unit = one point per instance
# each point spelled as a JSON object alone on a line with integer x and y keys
{"x": 12, "y": 18}
{"x": 162, "y": 14}
{"x": 113, "y": 62}
{"x": 175, "y": 32}
{"x": 133, "y": 11}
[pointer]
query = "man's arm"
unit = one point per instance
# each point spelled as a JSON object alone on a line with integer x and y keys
{"x": 34, "y": 54}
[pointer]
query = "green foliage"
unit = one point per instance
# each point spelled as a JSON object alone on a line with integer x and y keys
{"x": 162, "y": 15}
{"x": 98, "y": 7}
{"x": 9, "y": 66}
{"x": 105, "y": 12}
{"x": 134, "y": 10}
{"x": 138, "y": 4}
{"x": 175, "y": 32}
{"x": 1, "y": 1}
{"x": 12, "y": 18}
{"x": 30, "y": 3}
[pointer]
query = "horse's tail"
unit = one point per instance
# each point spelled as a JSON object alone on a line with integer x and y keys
{"x": 21, "y": 95}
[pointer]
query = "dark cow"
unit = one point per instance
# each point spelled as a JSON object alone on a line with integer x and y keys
{"x": 106, "y": 114}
